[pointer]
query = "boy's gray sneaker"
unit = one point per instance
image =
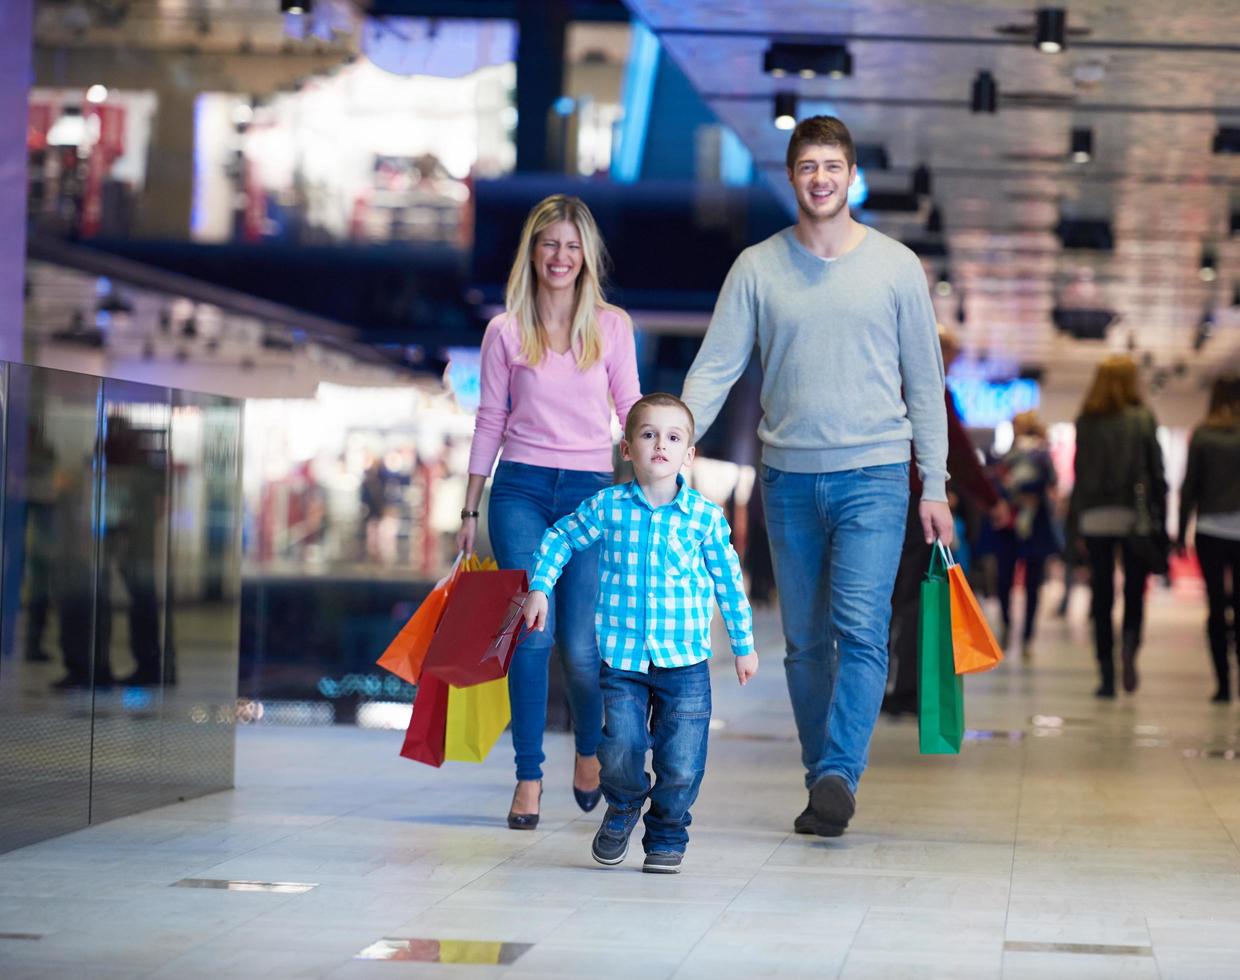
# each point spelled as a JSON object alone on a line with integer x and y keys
{"x": 662, "y": 863}
{"x": 611, "y": 840}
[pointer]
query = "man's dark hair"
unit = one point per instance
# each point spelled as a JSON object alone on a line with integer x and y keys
{"x": 821, "y": 131}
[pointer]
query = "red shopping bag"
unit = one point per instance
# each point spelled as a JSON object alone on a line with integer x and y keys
{"x": 424, "y": 739}
{"x": 476, "y": 635}
{"x": 406, "y": 653}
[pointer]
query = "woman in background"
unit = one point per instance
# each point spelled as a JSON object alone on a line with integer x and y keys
{"x": 1212, "y": 490}
{"x": 1116, "y": 451}
{"x": 1027, "y": 478}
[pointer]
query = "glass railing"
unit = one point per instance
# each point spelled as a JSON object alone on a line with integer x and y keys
{"x": 120, "y": 586}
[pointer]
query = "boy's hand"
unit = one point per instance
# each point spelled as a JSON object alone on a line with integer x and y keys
{"x": 746, "y": 667}
{"x": 536, "y": 611}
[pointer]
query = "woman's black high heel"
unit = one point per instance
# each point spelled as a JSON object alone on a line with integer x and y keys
{"x": 587, "y": 799}
{"x": 524, "y": 821}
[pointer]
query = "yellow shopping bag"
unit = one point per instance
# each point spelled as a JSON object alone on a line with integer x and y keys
{"x": 477, "y": 715}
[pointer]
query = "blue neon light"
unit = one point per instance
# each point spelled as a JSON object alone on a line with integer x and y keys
{"x": 859, "y": 191}
{"x": 735, "y": 160}
{"x": 984, "y": 404}
{"x": 626, "y": 162}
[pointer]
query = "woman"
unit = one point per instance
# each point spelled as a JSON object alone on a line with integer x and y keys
{"x": 552, "y": 365}
{"x": 1027, "y": 476}
{"x": 1212, "y": 489}
{"x": 1116, "y": 451}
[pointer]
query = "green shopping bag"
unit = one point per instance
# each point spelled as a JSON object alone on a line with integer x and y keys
{"x": 940, "y": 688}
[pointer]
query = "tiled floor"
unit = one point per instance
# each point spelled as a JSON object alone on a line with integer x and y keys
{"x": 1070, "y": 839}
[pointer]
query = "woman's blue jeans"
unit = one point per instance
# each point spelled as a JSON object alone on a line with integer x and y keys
{"x": 525, "y": 501}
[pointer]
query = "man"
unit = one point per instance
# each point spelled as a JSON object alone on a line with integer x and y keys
{"x": 845, "y": 329}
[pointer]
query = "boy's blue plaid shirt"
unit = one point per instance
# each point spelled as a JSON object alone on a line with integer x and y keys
{"x": 657, "y": 570}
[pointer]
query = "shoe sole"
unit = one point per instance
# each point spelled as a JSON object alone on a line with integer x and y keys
{"x": 610, "y": 862}
{"x": 820, "y": 828}
{"x": 651, "y": 869}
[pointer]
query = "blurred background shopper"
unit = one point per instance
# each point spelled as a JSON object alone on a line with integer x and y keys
{"x": 1027, "y": 477}
{"x": 1119, "y": 486}
{"x": 1211, "y": 490}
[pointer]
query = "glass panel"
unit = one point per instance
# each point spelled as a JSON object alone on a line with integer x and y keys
{"x": 204, "y": 595}
{"x": 50, "y": 441}
{"x": 131, "y": 580}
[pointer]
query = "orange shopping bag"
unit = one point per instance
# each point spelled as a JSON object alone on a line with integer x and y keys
{"x": 405, "y": 654}
{"x": 973, "y": 644}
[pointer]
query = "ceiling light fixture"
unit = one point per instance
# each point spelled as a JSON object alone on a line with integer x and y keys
{"x": 296, "y": 6}
{"x": 807, "y": 60}
{"x": 1227, "y": 139}
{"x": 985, "y": 93}
{"x": 1082, "y": 148}
{"x": 785, "y": 110}
{"x": 1051, "y": 36}
{"x": 97, "y": 93}
{"x": 1209, "y": 266}
{"x": 921, "y": 180}
{"x": 944, "y": 286}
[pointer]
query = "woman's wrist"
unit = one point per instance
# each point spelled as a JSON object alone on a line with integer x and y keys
{"x": 469, "y": 515}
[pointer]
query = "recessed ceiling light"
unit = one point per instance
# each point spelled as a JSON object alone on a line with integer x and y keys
{"x": 1051, "y": 35}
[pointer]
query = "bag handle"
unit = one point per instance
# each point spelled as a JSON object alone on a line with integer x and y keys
{"x": 941, "y": 556}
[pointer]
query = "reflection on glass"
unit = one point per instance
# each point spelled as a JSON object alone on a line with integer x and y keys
{"x": 204, "y": 594}
{"x": 130, "y": 586}
{"x": 50, "y": 441}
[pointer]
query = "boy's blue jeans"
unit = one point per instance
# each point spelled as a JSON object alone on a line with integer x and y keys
{"x": 835, "y": 544}
{"x": 667, "y": 710}
{"x": 525, "y": 501}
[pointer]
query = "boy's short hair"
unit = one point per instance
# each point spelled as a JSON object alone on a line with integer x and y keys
{"x": 656, "y": 399}
{"x": 821, "y": 131}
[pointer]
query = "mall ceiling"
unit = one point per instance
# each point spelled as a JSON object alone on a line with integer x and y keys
{"x": 1153, "y": 82}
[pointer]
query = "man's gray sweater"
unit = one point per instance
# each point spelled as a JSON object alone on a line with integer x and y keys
{"x": 852, "y": 369}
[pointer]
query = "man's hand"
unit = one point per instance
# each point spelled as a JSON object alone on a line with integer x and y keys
{"x": 936, "y": 520}
{"x": 536, "y": 611}
{"x": 746, "y": 667}
{"x": 1001, "y": 514}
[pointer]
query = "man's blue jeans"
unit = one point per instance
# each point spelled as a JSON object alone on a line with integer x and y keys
{"x": 835, "y": 544}
{"x": 525, "y": 501}
{"x": 676, "y": 703}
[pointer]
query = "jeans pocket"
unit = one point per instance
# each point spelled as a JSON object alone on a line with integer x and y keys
{"x": 887, "y": 473}
{"x": 769, "y": 475}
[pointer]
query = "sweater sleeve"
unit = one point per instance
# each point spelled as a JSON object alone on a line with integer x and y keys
{"x": 493, "y": 406}
{"x": 622, "y": 368}
{"x": 725, "y": 349}
{"x": 921, "y": 370}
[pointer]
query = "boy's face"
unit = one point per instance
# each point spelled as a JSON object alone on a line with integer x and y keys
{"x": 662, "y": 443}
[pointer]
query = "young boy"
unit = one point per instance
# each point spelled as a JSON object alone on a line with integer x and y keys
{"x": 665, "y": 549}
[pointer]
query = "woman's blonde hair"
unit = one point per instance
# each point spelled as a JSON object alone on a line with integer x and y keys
{"x": 585, "y": 336}
{"x": 1115, "y": 387}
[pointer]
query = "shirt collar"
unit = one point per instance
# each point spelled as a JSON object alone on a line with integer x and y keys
{"x": 681, "y": 500}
